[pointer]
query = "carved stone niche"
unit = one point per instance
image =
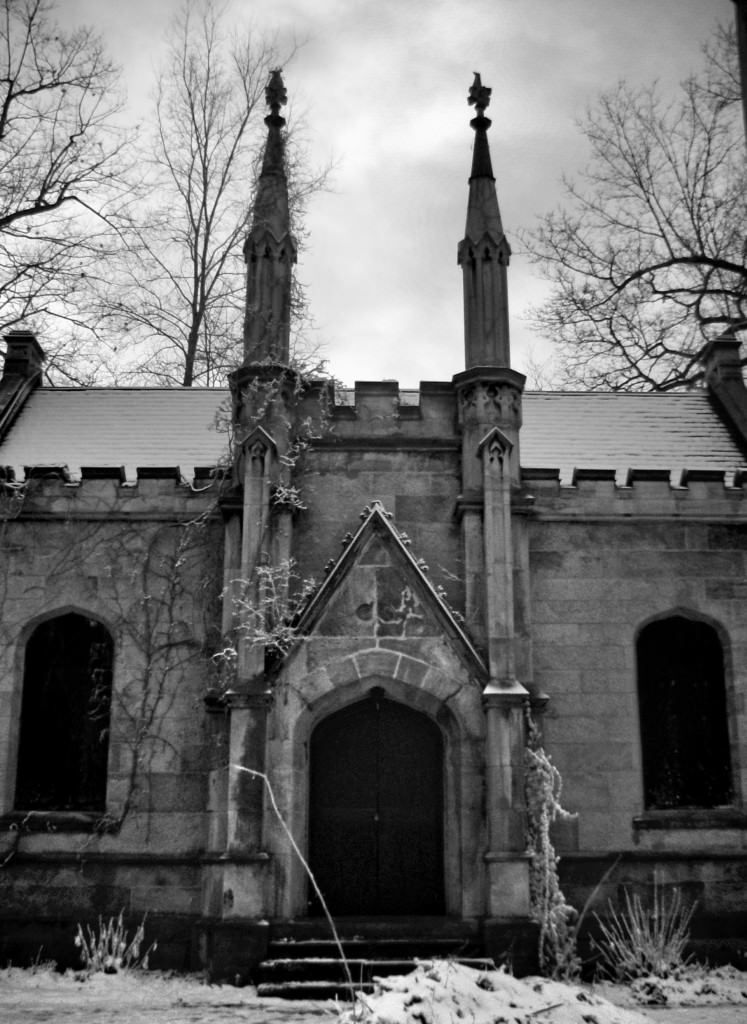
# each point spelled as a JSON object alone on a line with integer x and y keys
{"x": 490, "y": 399}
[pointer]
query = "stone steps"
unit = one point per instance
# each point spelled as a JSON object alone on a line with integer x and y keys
{"x": 322, "y": 978}
{"x": 304, "y": 963}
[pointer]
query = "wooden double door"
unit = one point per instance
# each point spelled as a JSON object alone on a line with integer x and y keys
{"x": 376, "y": 810}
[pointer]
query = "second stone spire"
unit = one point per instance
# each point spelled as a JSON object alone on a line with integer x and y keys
{"x": 484, "y": 253}
{"x": 270, "y": 248}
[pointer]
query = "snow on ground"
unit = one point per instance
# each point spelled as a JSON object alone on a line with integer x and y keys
{"x": 444, "y": 992}
{"x": 690, "y": 986}
{"x": 438, "y": 992}
{"x": 42, "y": 996}
{"x": 46, "y": 987}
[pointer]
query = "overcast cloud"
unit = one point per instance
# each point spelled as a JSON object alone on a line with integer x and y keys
{"x": 383, "y": 84}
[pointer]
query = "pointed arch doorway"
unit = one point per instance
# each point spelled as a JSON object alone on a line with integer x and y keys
{"x": 376, "y": 810}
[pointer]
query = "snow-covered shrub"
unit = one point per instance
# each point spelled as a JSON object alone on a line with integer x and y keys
{"x": 639, "y": 941}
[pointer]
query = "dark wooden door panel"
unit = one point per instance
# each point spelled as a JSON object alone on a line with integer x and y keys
{"x": 376, "y": 810}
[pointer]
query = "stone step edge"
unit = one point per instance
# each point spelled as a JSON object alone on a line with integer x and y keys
{"x": 482, "y": 963}
{"x": 415, "y": 940}
{"x": 311, "y": 989}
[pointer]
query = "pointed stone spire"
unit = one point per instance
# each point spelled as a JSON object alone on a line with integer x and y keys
{"x": 270, "y": 249}
{"x": 484, "y": 253}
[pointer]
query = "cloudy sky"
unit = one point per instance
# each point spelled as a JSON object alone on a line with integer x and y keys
{"x": 383, "y": 84}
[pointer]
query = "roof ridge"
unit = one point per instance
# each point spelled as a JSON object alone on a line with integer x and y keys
{"x": 47, "y": 389}
{"x": 619, "y": 394}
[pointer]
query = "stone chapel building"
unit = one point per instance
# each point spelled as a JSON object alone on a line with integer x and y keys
{"x": 356, "y": 593}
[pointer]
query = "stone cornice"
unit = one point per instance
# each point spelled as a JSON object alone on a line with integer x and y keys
{"x": 489, "y": 374}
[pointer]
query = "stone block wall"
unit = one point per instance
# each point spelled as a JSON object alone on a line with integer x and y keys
{"x": 418, "y": 487}
{"x": 378, "y": 443}
{"x": 126, "y": 557}
{"x": 604, "y": 562}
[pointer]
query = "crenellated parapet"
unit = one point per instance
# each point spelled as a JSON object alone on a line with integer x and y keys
{"x": 655, "y": 493}
{"x": 156, "y": 493}
{"x": 381, "y": 410}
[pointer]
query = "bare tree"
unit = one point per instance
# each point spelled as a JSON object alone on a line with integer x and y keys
{"x": 182, "y": 294}
{"x": 648, "y": 257}
{"x": 62, "y": 185}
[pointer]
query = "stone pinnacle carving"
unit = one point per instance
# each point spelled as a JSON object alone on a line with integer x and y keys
{"x": 479, "y": 95}
{"x": 276, "y": 95}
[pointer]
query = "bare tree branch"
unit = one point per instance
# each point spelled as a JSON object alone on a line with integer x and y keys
{"x": 63, "y": 180}
{"x": 648, "y": 257}
{"x": 180, "y": 297}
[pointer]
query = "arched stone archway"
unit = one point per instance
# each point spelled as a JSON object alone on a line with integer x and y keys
{"x": 451, "y": 702}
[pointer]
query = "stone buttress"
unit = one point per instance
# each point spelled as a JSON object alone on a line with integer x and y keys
{"x": 258, "y": 536}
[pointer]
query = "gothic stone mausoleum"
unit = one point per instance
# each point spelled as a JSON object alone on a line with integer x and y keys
{"x": 475, "y": 549}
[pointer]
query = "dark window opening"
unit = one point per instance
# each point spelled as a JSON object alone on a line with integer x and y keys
{"x": 64, "y": 736}
{"x": 682, "y": 701}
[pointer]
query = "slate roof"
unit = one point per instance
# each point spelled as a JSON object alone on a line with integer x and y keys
{"x": 127, "y": 427}
{"x": 621, "y": 431}
{"x": 134, "y": 427}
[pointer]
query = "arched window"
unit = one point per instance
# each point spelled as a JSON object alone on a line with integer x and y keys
{"x": 64, "y": 738}
{"x": 682, "y": 701}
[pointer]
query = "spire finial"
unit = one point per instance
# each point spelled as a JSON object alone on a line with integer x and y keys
{"x": 479, "y": 95}
{"x": 276, "y": 96}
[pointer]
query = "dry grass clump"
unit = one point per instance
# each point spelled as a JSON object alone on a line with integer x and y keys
{"x": 638, "y": 941}
{"x": 109, "y": 950}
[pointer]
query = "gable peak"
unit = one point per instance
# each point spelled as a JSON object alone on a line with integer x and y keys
{"x": 378, "y": 541}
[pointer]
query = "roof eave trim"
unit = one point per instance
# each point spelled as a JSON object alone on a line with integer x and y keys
{"x": 13, "y": 396}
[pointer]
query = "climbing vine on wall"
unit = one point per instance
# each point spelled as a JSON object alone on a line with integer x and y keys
{"x": 11, "y": 495}
{"x": 557, "y": 920}
{"x": 154, "y": 583}
{"x": 266, "y": 608}
{"x": 267, "y": 601}
{"x": 167, "y": 616}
